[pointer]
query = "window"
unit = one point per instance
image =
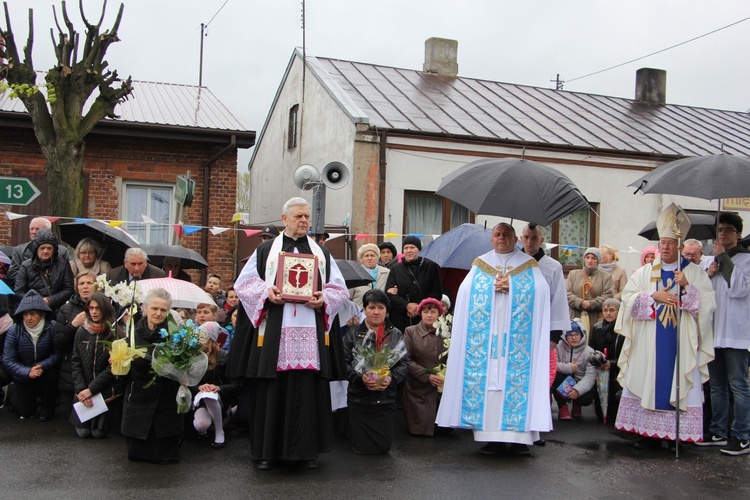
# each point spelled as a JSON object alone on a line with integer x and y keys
{"x": 428, "y": 214}
{"x": 154, "y": 201}
{"x": 573, "y": 234}
{"x": 293, "y": 126}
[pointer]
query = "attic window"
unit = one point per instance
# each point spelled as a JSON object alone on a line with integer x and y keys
{"x": 293, "y": 126}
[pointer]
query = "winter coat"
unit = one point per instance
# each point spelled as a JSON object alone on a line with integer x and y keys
{"x": 90, "y": 365}
{"x": 585, "y": 375}
{"x": 603, "y": 289}
{"x": 52, "y": 279}
{"x": 152, "y": 408}
{"x": 20, "y": 354}
{"x": 420, "y": 399}
{"x": 357, "y": 392}
{"x": 215, "y": 376}
{"x": 65, "y": 334}
{"x": 416, "y": 280}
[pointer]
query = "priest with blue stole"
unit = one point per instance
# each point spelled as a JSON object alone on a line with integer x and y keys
{"x": 497, "y": 377}
{"x": 668, "y": 297}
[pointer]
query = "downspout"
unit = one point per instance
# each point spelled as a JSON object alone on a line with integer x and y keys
{"x": 206, "y": 189}
{"x": 381, "y": 186}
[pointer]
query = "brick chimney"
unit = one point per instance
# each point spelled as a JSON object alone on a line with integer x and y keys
{"x": 651, "y": 86}
{"x": 441, "y": 57}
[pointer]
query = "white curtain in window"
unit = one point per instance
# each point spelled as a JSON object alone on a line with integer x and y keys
{"x": 154, "y": 202}
{"x": 575, "y": 230}
{"x": 424, "y": 215}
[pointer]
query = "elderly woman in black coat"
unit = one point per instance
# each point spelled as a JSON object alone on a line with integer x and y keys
{"x": 30, "y": 357}
{"x": 91, "y": 369}
{"x": 46, "y": 272}
{"x": 150, "y": 421}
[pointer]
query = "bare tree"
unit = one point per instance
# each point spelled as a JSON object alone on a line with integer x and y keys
{"x": 59, "y": 122}
{"x": 243, "y": 192}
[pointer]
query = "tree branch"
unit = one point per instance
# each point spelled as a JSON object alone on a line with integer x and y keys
{"x": 29, "y": 42}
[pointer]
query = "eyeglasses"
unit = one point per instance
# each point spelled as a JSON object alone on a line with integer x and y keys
{"x": 727, "y": 230}
{"x": 93, "y": 308}
{"x": 87, "y": 252}
{"x": 573, "y": 335}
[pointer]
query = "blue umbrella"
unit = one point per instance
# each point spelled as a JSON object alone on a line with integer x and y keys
{"x": 459, "y": 247}
{"x": 5, "y": 289}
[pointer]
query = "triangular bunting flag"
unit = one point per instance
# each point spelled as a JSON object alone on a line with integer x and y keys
{"x": 236, "y": 217}
{"x": 52, "y": 219}
{"x": 192, "y": 229}
{"x": 550, "y": 246}
{"x": 178, "y": 230}
{"x": 116, "y": 223}
{"x": 147, "y": 220}
{"x": 12, "y": 216}
{"x": 362, "y": 236}
{"x": 420, "y": 236}
{"x": 391, "y": 235}
{"x": 335, "y": 235}
{"x": 251, "y": 232}
{"x": 81, "y": 220}
{"x": 218, "y": 230}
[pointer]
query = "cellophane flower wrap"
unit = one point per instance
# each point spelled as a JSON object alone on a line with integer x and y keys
{"x": 443, "y": 330}
{"x": 373, "y": 362}
{"x": 179, "y": 357}
{"x": 122, "y": 351}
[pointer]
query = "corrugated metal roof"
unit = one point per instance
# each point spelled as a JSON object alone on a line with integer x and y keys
{"x": 403, "y": 99}
{"x": 163, "y": 104}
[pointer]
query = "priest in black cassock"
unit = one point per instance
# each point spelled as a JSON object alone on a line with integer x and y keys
{"x": 286, "y": 350}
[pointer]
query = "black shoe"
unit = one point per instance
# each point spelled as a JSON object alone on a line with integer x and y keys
{"x": 736, "y": 447}
{"x": 266, "y": 465}
{"x": 712, "y": 440}
{"x": 519, "y": 449}
{"x": 647, "y": 443}
{"x": 491, "y": 449}
{"x": 218, "y": 446}
{"x": 308, "y": 464}
{"x": 540, "y": 442}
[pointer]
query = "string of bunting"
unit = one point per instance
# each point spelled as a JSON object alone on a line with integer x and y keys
{"x": 186, "y": 230}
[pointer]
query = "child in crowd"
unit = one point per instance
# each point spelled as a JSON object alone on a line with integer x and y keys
{"x": 205, "y": 313}
{"x": 573, "y": 361}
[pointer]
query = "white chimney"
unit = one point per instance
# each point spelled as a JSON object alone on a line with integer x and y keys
{"x": 441, "y": 57}
{"x": 651, "y": 86}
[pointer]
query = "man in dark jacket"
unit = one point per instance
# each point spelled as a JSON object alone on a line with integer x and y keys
{"x": 46, "y": 271}
{"x": 135, "y": 267}
{"x": 410, "y": 281}
{"x": 23, "y": 251}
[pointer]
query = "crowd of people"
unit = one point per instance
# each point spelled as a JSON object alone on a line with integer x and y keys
{"x": 297, "y": 354}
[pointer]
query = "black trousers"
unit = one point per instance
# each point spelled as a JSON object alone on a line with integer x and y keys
{"x": 42, "y": 388}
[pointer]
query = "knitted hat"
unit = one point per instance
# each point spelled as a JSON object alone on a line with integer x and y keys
{"x": 369, "y": 247}
{"x": 44, "y": 236}
{"x": 595, "y": 252}
{"x": 574, "y": 328}
{"x": 390, "y": 246}
{"x": 211, "y": 329}
{"x": 646, "y": 251}
{"x": 430, "y": 300}
{"x": 412, "y": 240}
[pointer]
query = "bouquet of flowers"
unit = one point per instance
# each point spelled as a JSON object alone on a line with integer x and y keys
{"x": 373, "y": 362}
{"x": 121, "y": 353}
{"x": 179, "y": 357}
{"x": 442, "y": 329}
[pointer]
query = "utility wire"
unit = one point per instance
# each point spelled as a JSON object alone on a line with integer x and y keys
{"x": 659, "y": 51}
{"x": 217, "y": 13}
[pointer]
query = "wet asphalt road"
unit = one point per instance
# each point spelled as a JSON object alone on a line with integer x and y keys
{"x": 582, "y": 459}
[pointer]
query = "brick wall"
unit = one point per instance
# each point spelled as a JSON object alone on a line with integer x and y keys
{"x": 110, "y": 161}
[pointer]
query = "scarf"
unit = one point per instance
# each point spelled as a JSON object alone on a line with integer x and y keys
{"x": 608, "y": 268}
{"x": 36, "y": 331}
{"x": 379, "y": 335}
{"x": 95, "y": 328}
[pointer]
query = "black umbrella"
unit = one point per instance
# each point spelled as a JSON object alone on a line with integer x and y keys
{"x": 513, "y": 188}
{"x": 113, "y": 240}
{"x": 702, "y": 227}
{"x": 354, "y": 274}
{"x": 189, "y": 259}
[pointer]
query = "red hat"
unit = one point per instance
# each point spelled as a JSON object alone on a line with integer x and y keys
{"x": 430, "y": 300}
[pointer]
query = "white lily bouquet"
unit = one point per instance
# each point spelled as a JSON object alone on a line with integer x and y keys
{"x": 443, "y": 330}
{"x": 122, "y": 351}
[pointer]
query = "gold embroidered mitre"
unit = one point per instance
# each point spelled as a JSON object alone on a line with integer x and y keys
{"x": 673, "y": 222}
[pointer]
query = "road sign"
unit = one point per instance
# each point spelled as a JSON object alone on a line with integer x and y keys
{"x": 183, "y": 193}
{"x": 17, "y": 191}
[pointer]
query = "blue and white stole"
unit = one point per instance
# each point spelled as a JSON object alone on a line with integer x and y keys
{"x": 485, "y": 346}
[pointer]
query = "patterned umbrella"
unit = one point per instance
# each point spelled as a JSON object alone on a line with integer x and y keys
{"x": 184, "y": 294}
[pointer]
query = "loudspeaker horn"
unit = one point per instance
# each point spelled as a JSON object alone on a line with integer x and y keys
{"x": 306, "y": 176}
{"x": 335, "y": 175}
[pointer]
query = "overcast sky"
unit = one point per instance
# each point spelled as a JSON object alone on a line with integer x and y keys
{"x": 249, "y": 43}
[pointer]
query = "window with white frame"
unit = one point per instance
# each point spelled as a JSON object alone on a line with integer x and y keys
{"x": 154, "y": 201}
{"x": 429, "y": 214}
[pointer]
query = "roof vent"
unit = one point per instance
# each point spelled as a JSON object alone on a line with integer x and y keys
{"x": 651, "y": 86}
{"x": 441, "y": 57}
